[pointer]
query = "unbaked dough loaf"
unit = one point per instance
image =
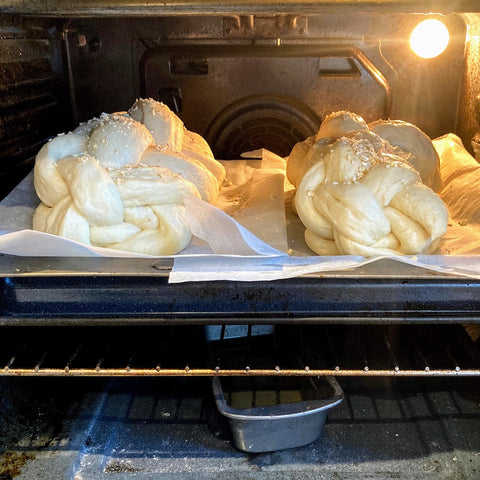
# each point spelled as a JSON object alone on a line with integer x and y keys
{"x": 362, "y": 197}
{"x": 119, "y": 181}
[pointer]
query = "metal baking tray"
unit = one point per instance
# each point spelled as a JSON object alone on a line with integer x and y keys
{"x": 268, "y": 413}
{"x": 114, "y": 291}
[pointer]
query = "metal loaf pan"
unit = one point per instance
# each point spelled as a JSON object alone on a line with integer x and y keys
{"x": 275, "y": 413}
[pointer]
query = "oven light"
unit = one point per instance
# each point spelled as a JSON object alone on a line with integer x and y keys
{"x": 429, "y": 38}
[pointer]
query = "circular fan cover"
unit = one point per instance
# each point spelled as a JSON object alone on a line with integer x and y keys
{"x": 271, "y": 122}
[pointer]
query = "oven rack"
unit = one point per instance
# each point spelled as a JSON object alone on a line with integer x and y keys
{"x": 289, "y": 350}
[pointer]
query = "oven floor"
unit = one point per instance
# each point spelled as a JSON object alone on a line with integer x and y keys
{"x": 168, "y": 428}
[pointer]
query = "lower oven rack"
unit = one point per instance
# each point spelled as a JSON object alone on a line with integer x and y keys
{"x": 291, "y": 350}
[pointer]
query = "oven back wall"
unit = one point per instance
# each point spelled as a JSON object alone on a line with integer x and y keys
{"x": 250, "y": 82}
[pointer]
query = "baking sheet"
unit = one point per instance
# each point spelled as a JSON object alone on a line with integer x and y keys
{"x": 249, "y": 235}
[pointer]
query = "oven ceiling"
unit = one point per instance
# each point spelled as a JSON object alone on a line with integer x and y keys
{"x": 132, "y": 7}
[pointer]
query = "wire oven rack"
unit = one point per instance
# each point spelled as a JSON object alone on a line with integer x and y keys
{"x": 307, "y": 350}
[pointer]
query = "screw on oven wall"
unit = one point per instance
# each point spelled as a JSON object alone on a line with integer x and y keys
{"x": 81, "y": 40}
{"x": 93, "y": 45}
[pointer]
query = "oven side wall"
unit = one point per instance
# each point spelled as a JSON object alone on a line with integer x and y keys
{"x": 34, "y": 99}
{"x": 469, "y": 101}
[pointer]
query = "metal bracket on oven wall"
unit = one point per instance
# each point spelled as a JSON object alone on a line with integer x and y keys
{"x": 251, "y": 26}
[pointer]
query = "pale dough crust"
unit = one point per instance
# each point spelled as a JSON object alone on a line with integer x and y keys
{"x": 195, "y": 146}
{"x": 310, "y": 216}
{"x": 189, "y": 168}
{"x": 385, "y": 180}
{"x": 384, "y": 246}
{"x": 461, "y": 180}
{"x": 92, "y": 190}
{"x": 353, "y": 211}
{"x": 412, "y": 236}
{"x": 410, "y": 138}
{"x": 117, "y": 141}
{"x": 166, "y": 128}
{"x": 424, "y": 206}
{"x": 296, "y": 161}
{"x": 148, "y": 185}
{"x": 337, "y": 124}
{"x": 171, "y": 236}
{"x": 321, "y": 245}
{"x": 49, "y": 183}
{"x": 64, "y": 220}
{"x": 103, "y": 236}
{"x": 142, "y": 217}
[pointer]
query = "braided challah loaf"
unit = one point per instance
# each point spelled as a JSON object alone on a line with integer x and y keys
{"x": 119, "y": 181}
{"x": 358, "y": 194}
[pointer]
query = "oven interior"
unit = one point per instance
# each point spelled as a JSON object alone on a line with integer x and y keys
{"x": 106, "y": 369}
{"x": 241, "y": 81}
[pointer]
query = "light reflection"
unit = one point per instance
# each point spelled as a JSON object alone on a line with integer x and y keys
{"x": 429, "y": 38}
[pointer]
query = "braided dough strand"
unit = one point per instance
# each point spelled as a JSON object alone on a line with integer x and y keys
{"x": 140, "y": 185}
{"x": 92, "y": 190}
{"x": 171, "y": 236}
{"x": 353, "y": 211}
{"x": 310, "y": 216}
{"x": 49, "y": 183}
{"x": 188, "y": 168}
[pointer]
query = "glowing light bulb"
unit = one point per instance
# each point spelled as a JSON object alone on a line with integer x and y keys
{"x": 429, "y": 38}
